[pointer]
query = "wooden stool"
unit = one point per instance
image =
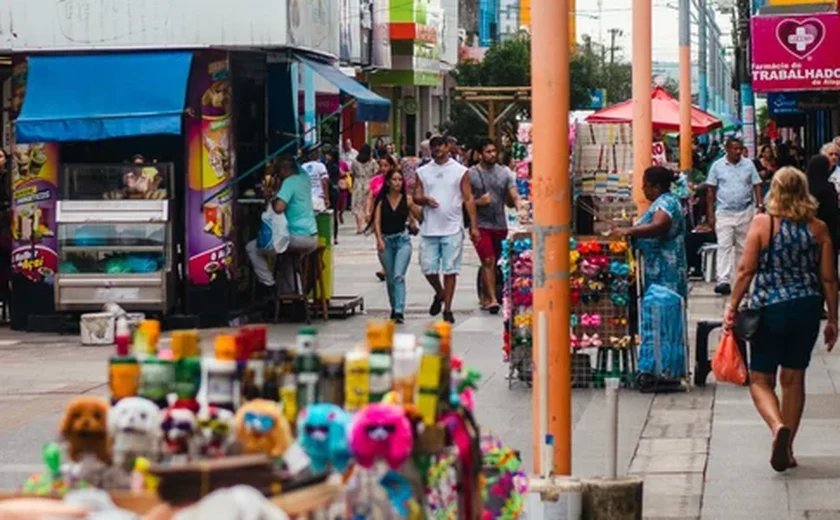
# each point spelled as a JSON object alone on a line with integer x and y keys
{"x": 300, "y": 274}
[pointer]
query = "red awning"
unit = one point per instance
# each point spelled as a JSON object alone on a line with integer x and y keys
{"x": 666, "y": 115}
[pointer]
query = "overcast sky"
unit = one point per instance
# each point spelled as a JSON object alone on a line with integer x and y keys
{"x": 618, "y": 14}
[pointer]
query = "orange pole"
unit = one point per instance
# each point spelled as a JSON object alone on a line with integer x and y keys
{"x": 686, "y": 137}
{"x": 550, "y": 189}
{"x": 642, "y": 76}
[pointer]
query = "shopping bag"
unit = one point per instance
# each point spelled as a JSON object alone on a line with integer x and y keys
{"x": 728, "y": 365}
{"x": 273, "y": 236}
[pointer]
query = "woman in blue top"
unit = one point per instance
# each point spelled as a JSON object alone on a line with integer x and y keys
{"x": 660, "y": 233}
{"x": 789, "y": 252}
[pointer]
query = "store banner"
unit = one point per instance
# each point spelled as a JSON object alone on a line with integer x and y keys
{"x": 211, "y": 165}
{"x": 659, "y": 154}
{"x": 381, "y": 49}
{"x": 795, "y": 52}
{"x": 314, "y": 25}
{"x": 350, "y": 23}
{"x": 34, "y": 190}
{"x": 448, "y": 39}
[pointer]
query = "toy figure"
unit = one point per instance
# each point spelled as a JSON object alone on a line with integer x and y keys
{"x": 381, "y": 431}
{"x": 85, "y": 428}
{"x": 323, "y": 433}
{"x": 134, "y": 426}
{"x": 262, "y": 428}
{"x": 180, "y": 432}
{"x": 217, "y": 426}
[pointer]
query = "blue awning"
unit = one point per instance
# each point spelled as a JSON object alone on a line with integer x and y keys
{"x": 371, "y": 106}
{"x": 102, "y": 96}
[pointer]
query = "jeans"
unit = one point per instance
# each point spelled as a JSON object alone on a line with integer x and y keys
{"x": 395, "y": 259}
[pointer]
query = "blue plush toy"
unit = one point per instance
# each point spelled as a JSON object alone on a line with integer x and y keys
{"x": 323, "y": 433}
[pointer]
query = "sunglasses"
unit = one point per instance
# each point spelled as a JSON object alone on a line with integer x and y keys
{"x": 259, "y": 423}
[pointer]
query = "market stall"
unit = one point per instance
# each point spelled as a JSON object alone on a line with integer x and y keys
{"x": 386, "y": 430}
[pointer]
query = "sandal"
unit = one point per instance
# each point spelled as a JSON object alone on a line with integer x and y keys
{"x": 780, "y": 457}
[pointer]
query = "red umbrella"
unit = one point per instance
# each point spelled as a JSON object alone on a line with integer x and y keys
{"x": 666, "y": 115}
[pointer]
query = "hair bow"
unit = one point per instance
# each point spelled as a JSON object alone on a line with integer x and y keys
{"x": 590, "y": 297}
{"x": 520, "y": 245}
{"x": 619, "y": 268}
{"x": 619, "y": 321}
{"x": 619, "y": 299}
{"x": 622, "y": 342}
{"x": 574, "y": 295}
{"x": 595, "y": 285}
{"x": 591, "y": 320}
{"x": 575, "y": 342}
{"x": 523, "y": 299}
{"x": 590, "y": 247}
{"x": 618, "y": 247}
{"x": 601, "y": 261}
{"x": 591, "y": 341}
{"x": 578, "y": 282}
{"x": 619, "y": 285}
{"x": 572, "y": 244}
{"x": 574, "y": 256}
{"x": 522, "y": 320}
{"x": 588, "y": 268}
{"x": 573, "y": 320}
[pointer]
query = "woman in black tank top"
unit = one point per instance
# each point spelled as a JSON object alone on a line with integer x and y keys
{"x": 393, "y": 215}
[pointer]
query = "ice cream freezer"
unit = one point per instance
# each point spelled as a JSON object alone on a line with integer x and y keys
{"x": 116, "y": 251}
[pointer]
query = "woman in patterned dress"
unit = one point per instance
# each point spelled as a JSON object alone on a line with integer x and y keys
{"x": 789, "y": 253}
{"x": 660, "y": 233}
{"x": 363, "y": 169}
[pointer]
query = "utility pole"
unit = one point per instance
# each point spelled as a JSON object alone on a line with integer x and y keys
{"x": 702, "y": 65}
{"x": 614, "y": 33}
{"x": 551, "y": 190}
{"x": 744, "y": 75}
{"x": 685, "y": 86}
{"x": 643, "y": 106}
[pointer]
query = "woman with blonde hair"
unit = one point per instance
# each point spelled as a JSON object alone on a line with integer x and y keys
{"x": 789, "y": 253}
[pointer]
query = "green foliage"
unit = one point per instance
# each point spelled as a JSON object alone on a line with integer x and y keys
{"x": 762, "y": 117}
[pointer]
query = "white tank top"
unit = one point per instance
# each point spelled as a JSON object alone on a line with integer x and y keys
{"x": 442, "y": 183}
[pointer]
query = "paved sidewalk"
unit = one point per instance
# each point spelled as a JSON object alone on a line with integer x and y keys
{"x": 701, "y": 454}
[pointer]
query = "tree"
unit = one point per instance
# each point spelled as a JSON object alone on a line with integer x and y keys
{"x": 672, "y": 87}
{"x": 762, "y": 117}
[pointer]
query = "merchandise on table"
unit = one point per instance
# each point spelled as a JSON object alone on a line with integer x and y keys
{"x": 393, "y": 419}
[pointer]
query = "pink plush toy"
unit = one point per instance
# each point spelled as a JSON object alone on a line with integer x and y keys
{"x": 381, "y": 431}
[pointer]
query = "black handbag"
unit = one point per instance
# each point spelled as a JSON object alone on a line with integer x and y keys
{"x": 746, "y": 322}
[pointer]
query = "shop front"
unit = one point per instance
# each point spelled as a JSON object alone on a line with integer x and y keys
{"x": 794, "y": 61}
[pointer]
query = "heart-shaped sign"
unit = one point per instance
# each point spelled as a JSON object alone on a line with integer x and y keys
{"x": 800, "y": 37}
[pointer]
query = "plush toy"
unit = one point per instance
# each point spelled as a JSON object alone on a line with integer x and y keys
{"x": 180, "y": 432}
{"x": 262, "y": 428}
{"x": 323, "y": 433}
{"x": 217, "y": 427}
{"x": 134, "y": 426}
{"x": 381, "y": 431}
{"x": 85, "y": 429}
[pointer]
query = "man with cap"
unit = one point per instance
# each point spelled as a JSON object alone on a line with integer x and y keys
{"x": 443, "y": 190}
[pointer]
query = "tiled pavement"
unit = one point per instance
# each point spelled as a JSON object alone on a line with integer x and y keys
{"x": 703, "y": 452}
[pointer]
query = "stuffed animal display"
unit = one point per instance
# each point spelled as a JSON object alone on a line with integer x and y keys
{"x": 179, "y": 427}
{"x": 262, "y": 428}
{"x": 217, "y": 427}
{"x": 85, "y": 429}
{"x": 323, "y": 431}
{"x": 133, "y": 424}
{"x": 381, "y": 431}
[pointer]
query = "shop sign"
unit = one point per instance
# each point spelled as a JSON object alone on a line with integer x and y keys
{"x": 658, "y": 154}
{"x": 598, "y": 98}
{"x": 381, "y": 49}
{"x": 783, "y": 103}
{"x": 57, "y": 25}
{"x": 795, "y": 52}
{"x": 34, "y": 186}
{"x": 211, "y": 163}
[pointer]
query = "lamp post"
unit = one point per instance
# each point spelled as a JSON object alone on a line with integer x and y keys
{"x": 642, "y": 105}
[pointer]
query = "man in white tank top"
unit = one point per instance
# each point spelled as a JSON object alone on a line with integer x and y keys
{"x": 443, "y": 189}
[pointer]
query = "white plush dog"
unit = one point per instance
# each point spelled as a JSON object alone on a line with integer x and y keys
{"x": 134, "y": 425}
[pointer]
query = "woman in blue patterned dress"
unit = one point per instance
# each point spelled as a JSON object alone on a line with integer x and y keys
{"x": 790, "y": 254}
{"x": 660, "y": 233}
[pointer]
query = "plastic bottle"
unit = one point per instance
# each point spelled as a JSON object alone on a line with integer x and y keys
{"x": 428, "y": 381}
{"x": 406, "y": 366}
{"x": 123, "y": 337}
{"x": 221, "y": 387}
{"x": 356, "y": 379}
{"x": 156, "y": 378}
{"x": 123, "y": 377}
{"x": 380, "y": 337}
{"x": 444, "y": 330}
{"x": 307, "y": 367}
{"x": 187, "y": 378}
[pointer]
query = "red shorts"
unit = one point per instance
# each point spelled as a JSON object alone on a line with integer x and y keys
{"x": 489, "y": 246}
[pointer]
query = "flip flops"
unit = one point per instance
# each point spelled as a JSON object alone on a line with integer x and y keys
{"x": 780, "y": 457}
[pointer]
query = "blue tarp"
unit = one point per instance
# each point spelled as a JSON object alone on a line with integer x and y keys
{"x": 370, "y": 106}
{"x": 101, "y": 96}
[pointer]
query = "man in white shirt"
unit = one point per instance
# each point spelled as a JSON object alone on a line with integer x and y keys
{"x": 734, "y": 191}
{"x": 348, "y": 153}
{"x": 443, "y": 189}
{"x": 320, "y": 179}
{"x": 832, "y": 151}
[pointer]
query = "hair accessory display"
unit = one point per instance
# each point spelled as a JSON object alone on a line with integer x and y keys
{"x": 573, "y": 339}
{"x": 589, "y": 248}
{"x": 591, "y": 341}
{"x": 622, "y": 342}
{"x": 619, "y": 285}
{"x": 618, "y": 247}
{"x": 601, "y": 261}
{"x": 619, "y": 321}
{"x": 590, "y": 297}
{"x": 572, "y": 244}
{"x": 591, "y": 320}
{"x": 595, "y": 285}
{"x": 578, "y": 282}
{"x": 619, "y": 268}
{"x": 521, "y": 245}
{"x": 619, "y": 300}
{"x": 588, "y": 268}
{"x": 573, "y": 320}
{"x": 523, "y": 320}
{"x": 574, "y": 296}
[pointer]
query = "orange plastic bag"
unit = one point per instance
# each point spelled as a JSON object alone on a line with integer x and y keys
{"x": 728, "y": 365}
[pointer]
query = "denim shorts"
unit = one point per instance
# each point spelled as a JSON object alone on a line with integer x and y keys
{"x": 442, "y": 255}
{"x": 786, "y": 335}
